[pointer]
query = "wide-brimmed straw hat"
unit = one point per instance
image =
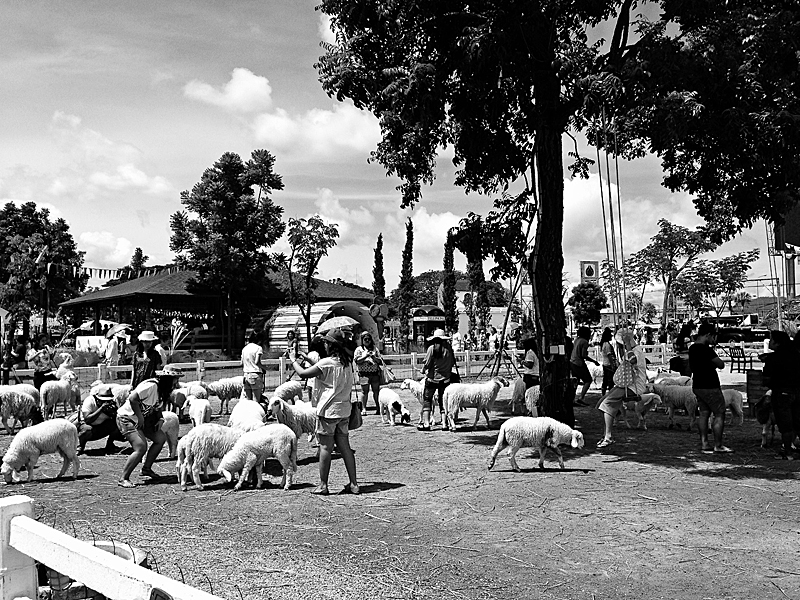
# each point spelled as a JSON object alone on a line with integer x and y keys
{"x": 438, "y": 334}
{"x": 147, "y": 336}
{"x": 169, "y": 371}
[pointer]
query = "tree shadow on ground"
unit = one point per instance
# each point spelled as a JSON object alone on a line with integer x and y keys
{"x": 53, "y": 479}
{"x": 379, "y": 486}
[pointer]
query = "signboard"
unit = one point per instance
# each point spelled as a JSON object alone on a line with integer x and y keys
{"x": 590, "y": 271}
{"x": 428, "y": 318}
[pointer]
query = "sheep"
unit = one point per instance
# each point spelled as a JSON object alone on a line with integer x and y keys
{"x": 596, "y": 371}
{"x": 49, "y": 437}
{"x": 676, "y": 396}
{"x": 532, "y": 400}
{"x": 300, "y": 418}
{"x": 27, "y": 388}
{"x": 640, "y": 408}
{"x": 289, "y": 390}
{"x": 199, "y": 410}
{"x": 199, "y": 446}
{"x": 225, "y": 389}
{"x": 667, "y": 379}
{"x": 517, "y": 395}
{"x": 21, "y": 406}
{"x": 391, "y": 406}
{"x": 417, "y": 389}
{"x": 534, "y": 432}
{"x": 247, "y": 415}
{"x": 254, "y": 447}
{"x": 65, "y": 366}
{"x": 170, "y": 428}
{"x": 735, "y": 401}
{"x": 193, "y": 388}
{"x": 480, "y": 396}
{"x": 64, "y": 390}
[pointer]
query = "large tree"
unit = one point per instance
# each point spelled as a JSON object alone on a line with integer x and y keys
{"x": 40, "y": 265}
{"x": 131, "y": 271}
{"x": 587, "y": 301}
{"x": 226, "y": 229}
{"x": 500, "y": 82}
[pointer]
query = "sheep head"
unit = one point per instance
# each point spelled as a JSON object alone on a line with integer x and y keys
{"x": 501, "y": 380}
{"x": 277, "y": 408}
{"x": 178, "y": 398}
{"x": 577, "y": 439}
{"x": 8, "y": 472}
{"x": 406, "y": 385}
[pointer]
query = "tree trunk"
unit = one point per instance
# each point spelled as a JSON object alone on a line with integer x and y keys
{"x": 556, "y": 386}
{"x": 230, "y": 324}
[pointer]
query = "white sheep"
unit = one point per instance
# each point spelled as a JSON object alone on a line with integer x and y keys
{"x": 735, "y": 401}
{"x": 480, "y": 396}
{"x": 247, "y": 415}
{"x": 300, "y": 417}
{"x": 57, "y": 435}
{"x": 20, "y": 406}
{"x": 640, "y": 408}
{"x": 193, "y": 388}
{"x": 27, "y": 388}
{"x": 199, "y": 446}
{"x": 676, "y": 396}
{"x": 289, "y": 390}
{"x": 517, "y": 394}
{"x": 199, "y": 410}
{"x": 170, "y": 427}
{"x": 532, "y": 400}
{"x": 535, "y": 432}
{"x": 254, "y": 447}
{"x": 65, "y": 391}
{"x": 391, "y": 405}
{"x": 668, "y": 379}
{"x": 226, "y": 390}
{"x": 65, "y": 365}
{"x": 417, "y": 388}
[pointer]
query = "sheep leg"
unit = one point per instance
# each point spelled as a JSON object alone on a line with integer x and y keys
{"x": 486, "y": 416}
{"x": 64, "y": 464}
{"x": 477, "y": 416}
{"x": 9, "y": 430}
{"x": 288, "y": 471}
{"x": 31, "y": 465}
{"x": 542, "y": 454}
{"x": 559, "y": 455}
{"x": 259, "y": 476}
{"x": 512, "y": 458}
{"x": 248, "y": 466}
{"x": 195, "y": 465}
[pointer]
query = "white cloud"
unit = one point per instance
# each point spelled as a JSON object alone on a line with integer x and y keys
{"x": 245, "y": 92}
{"x": 325, "y": 30}
{"x": 128, "y": 176}
{"x": 104, "y": 250}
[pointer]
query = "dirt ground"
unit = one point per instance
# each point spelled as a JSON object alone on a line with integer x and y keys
{"x": 649, "y": 517}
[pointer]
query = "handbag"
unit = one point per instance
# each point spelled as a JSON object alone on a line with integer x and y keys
{"x": 625, "y": 374}
{"x": 355, "y": 421}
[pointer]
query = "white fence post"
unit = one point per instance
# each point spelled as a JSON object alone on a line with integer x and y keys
{"x": 102, "y": 371}
{"x": 201, "y": 370}
{"x": 17, "y": 570}
{"x": 281, "y": 369}
{"x": 413, "y": 365}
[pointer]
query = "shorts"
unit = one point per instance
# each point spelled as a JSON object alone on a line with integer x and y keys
{"x": 127, "y": 424}
{"x": 710, "y": 400}
{"x": 529, "y": 380}
{"x": 253, "y": 383}
{"x": 614, "y": 399}
{"x": 333, "y": 427}
{"x": 581, "y": 372}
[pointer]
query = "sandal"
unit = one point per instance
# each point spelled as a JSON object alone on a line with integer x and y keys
{"x": 604, "y": 443}
{"x": 150, "y": 473}
{"x": 423, "y": 427}
{"x": 320, "y": 491}
{"x": 351, "y": 489}
{"x": 126, "y": 483}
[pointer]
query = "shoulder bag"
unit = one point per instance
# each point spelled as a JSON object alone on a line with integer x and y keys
{"x": 355, "y": 420}
{"x": 625, "y": 374}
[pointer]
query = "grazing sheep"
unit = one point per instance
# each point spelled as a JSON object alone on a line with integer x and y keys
{"x": 65, "y": 391}
{"x": 226, "y": 390}
{"x": 199, "y": 446}
{"x": 254, "y": 447}
{"x": 27, "y": 388}
{"x": 532, "y": 400}
{"x": 247, "y": 415}
{"x": 480, "y": 396}
{"x": 193, "y": 388}
{"x": 390, "y": 405}
{"x": 676, "y": 396}
{"x": 668, "y": 379}
{"x": 170, "y": 428}
{"x": 20, "y": 406}
{"x": 289, "y": 390}
{"x": 535, "y": 432}
{"x": 199, "y": 410}
{"x": 57, "y": 435}
{"x": 735, "y": 401}
{"x": 300, "y": 418}
{"x": 640, "y": 408}
{"x": 417, "y": 388}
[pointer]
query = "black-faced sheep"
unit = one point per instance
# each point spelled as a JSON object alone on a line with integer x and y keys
{"x": 535, "y": 432}
{"x": 254, "y": 447}
{"x": 19, "y": 406}
{"x": 391, "y": 405}
{"x": 480, "y": 396}
{"x": 199, "y": 446}
{"x": 65, "y": 391}
{"x": 57, "y": 435}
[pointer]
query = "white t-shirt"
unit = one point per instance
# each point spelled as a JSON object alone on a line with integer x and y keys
{"x": 148, "y": 397}
{"x": 163, "y": 352}
{"x": 112, "y": 352}
{"x": 251, "y": 358}
{"x": 332, "y": 389}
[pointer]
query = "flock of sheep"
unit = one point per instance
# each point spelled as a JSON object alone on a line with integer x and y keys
{"x": 247, "y": 440}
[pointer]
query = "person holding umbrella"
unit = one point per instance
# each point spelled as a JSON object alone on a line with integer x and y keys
{"x": 116, "y": 344}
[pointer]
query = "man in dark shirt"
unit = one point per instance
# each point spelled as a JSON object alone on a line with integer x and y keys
{"x": 704, "y": 363}
{"x": 780, "y": 375}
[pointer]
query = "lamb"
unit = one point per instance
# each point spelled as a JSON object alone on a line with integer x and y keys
{"x": 534, "y": 432}
{"x": 289, "y": 390}
{"x": 640, "y": 408}
{"x": 247, "y": 415}
{"x": 676, "y": 396}
{"x": 300, "y": 418}
{"x": 194, "y": 388}
{"x": 199, "y": 410}
{"x": 532, "y": 400}
{"x": 225, "y": 389}
{"x": 64, "y": 390}
{"x": 670, "y": 380}
{"x": 21, "y": 406}
{"x": 417, "y": 388}
{"x": 170, "y": 428}
{"x": 27, "y": 388}
{"x": 49, "y": 437}
{"x": 254, "y": 447}
{"x": 735, "y": 401}
{"x": 391, "y": 406}
{"x": 65, "y": 366}
{"x": 199, "y": 446}
{"x": 480, "y": 396}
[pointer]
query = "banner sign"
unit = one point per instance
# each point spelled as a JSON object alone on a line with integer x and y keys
{"x": 590, "y": 271}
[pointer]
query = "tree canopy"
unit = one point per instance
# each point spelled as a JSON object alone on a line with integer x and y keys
{"x": 587, "y": 301}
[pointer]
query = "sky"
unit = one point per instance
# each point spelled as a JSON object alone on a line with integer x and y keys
{"x": 110, "y": 109}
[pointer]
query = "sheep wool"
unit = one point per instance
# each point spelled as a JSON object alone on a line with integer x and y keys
{"x": 668, "y": 379}
{"x": 535, "y": 432}
{"x": 480, "y": 396}
{"x": 65, "y": 391}
{"x": 19, "y": 406}
{"x": 56, "y": 435}
{"x": 194, "y": 388}
{"x": 735, "y": 401}
{"x": 517, "y": 395}
{"x": 27, "y": 388}
{"x": 300, "y": 418}
{"x": 640, "y": 407}
{"x": 674, "y": 397}
{"x": 417, "y": 388}
{"x": 226, "y": 390}
{"x": 254, "y": 447}
{"x": 289, "y": 390}
{"x": 170, "y": 428}
{"x": 199, "y": 446}
{"x": 199, "y": 410}
{"x": 391, "y": 405}
{"x": 247, "y": 415}
{"x": 532, "y": 400}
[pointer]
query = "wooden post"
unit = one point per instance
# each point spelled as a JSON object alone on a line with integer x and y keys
{"x": 413, "y": 365}
{"x": 281, "y": 369}
{"x": 467, "y": 363}
{"x": 17, "y": 570}
{"x": 102, "y": 371}
{"x": 201, "y": 370}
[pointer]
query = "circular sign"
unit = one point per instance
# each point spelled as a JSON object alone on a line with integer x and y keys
{"x": 374, "y": 311}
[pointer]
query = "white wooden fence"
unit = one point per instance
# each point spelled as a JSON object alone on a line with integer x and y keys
{"x": 23, "y": 541}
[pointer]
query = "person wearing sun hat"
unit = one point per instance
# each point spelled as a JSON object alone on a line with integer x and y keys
{"x": 97, "y": 418}
{"x": 333, "y": 386}
{"x": 140, "y": 419}
{"x": 146, "y": 361}
{"x": 437, "y": 367}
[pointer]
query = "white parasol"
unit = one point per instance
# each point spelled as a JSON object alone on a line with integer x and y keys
{"x": 336, "y": 323}
{"x": 116, "y": 329}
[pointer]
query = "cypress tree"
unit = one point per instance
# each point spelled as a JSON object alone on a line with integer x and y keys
{"x": 405, "y": 290}
{"x": 378, "y": 280}
{"x": 449, "y": 285}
